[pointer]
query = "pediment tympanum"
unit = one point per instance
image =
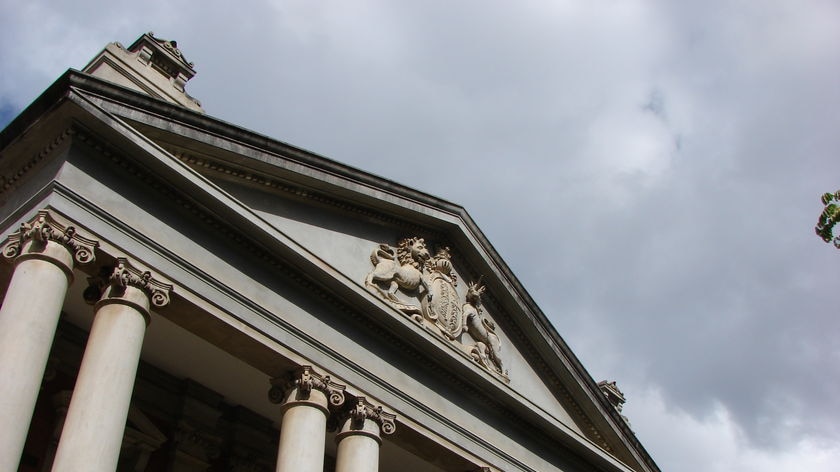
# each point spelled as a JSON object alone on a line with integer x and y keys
{"x": 425, "y": 288}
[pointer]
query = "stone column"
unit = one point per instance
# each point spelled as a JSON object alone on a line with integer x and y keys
{"x": 95, "y": 423}
{"x": 44, "y": 254}
{"x": 306, "y": 398}
{"x": 359, "y": 437}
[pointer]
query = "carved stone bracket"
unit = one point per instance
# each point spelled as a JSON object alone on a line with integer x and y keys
{"x": 363, "y": 410}
{"x": 304, "y": 379}
{"x": 44, "y": 228}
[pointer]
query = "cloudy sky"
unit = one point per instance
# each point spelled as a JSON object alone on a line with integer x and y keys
{"x": 650, "y": 170}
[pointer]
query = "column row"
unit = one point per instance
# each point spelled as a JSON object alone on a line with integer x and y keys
{"x": 44, "y": 254}
{"x": 311, "y": 401}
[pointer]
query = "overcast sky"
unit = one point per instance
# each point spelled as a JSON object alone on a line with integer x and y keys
{"x": 650, "y": 170}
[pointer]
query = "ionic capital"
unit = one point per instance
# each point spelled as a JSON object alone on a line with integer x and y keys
{"x": 125, "y": 284}
{"x": 31, "y": 241}
{"x": 301, "y": 382}
{"x": 364, "y": 410}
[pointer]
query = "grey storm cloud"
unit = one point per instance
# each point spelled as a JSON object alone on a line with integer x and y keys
{"x": 650, "y": 170}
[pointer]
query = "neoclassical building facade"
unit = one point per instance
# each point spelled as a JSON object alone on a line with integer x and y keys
{"x": 182, "y": 294}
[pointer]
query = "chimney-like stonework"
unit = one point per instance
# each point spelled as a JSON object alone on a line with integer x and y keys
{"x": 614, "y": 396}
{"x": 150, "y": 65}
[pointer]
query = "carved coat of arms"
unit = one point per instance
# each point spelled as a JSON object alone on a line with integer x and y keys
{"x": 443, "y": 305}
{"x": 399, "y": 267}
{"x": 425, "y": 289}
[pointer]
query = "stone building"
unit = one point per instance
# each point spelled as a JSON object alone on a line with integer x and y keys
{"x": 182, "y": 294}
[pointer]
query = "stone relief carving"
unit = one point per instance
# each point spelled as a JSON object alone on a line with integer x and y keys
{"x": 442, "y": 305}
{"x": 487, "y": 349}
{"x": 400, "y": 267}
{"x": 425, "y": 288}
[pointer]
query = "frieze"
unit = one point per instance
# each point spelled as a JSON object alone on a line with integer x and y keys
{"x": 424, "y": 288}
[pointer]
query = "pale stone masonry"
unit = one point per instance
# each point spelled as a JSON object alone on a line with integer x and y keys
{"x": 92, "y": 435}
{"x": 150, "y": 65}
{"x": 166, "y": 268}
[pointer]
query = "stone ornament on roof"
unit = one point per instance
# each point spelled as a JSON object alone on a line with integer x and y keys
{"x": 614, "y": 396}
{"x": 172, "y": 47}
{"x": 425, "y": 288}
{"x": 151, "y": 65}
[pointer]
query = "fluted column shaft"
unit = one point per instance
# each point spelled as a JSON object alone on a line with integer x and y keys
{"x": 359, "y": 438}
{"x": 306, "y": 398}
{"x": 44, "y": 260}
{"x": 95, "y": 424}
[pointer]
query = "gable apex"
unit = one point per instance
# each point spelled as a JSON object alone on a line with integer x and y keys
{"x": 150, "y": 65}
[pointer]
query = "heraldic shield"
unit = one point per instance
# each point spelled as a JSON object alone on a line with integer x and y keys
{"x": 443, "y": 305}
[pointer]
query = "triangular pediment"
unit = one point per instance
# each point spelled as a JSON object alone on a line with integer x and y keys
{"x": 414, "y": 266}
{"x": 363, "y": 232}
{"x": 420, "y": 274}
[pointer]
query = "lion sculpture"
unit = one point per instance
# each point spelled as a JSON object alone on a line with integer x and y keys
{"x": 399, "y": 268}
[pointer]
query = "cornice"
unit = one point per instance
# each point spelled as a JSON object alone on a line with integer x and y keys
{"x": 120, "y": 100}
{"x": 9, "y": 180}
{"x": 218, "y": 168}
